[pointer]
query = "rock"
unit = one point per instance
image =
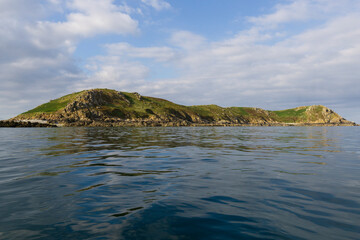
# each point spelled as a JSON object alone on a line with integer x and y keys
{"x": 137, "y": 95}
{"x": 123, "y": 98}
{"x": 31, "y": 123}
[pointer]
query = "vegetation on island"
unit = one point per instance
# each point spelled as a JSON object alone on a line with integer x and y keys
{"x": 106, "y": 107}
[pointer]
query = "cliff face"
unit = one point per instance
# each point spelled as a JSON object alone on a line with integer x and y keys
{"x": 104, "y": 107}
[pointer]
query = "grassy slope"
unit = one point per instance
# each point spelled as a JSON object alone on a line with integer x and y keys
{"x": 216, "y": 113}
{"x": 290, "y": 115}
{"x": 299, "y": 114}
{"x": 146, "y": 107}
{"x": 54, "y": 105}
{"x": 149, "y": 106}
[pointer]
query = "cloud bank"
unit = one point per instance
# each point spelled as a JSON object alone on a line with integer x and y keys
{"x": 301, "y": 53}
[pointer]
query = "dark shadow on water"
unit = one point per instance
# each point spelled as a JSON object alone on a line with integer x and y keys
{"x": 168, "y": 222}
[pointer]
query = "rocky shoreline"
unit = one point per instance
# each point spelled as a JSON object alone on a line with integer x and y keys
{"x": 24, "y": 124}
{"x": 144, "y": 123}
{"x": 189, "y": 124}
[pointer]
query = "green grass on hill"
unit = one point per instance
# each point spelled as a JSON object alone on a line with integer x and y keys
{"x": 217, "y": 113}
{"x": 208, "y": 112}
{"x": 146, "y": 107}
{"x": 290, "y": 115}
{"x": 54, "y": 105}
{"x": 243, "y": 111}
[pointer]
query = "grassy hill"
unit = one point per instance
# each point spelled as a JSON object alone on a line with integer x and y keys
{"x": 105, "y": 107}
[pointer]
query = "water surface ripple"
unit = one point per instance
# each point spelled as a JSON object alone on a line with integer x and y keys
{"x": 180, "y": 183}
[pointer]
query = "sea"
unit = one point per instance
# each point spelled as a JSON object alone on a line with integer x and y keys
{"x": 180, "y": 183}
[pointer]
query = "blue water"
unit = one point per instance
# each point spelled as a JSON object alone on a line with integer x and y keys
{"x": 180, "y": 183}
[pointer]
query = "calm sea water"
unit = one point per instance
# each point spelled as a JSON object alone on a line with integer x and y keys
{"x": 180, "y": 183}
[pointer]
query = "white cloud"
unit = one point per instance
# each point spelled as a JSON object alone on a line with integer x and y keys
{"x": 20, "y": 8}
{"x": 296, "y": 11}
{"x": 157, "y": 4}
{"x": 303, "y": 11}
{"x": 114, "y": 72}
{"x": 160, "y": 54}
{"x": 187, "y": 40}
{"x": 87, "y": 18}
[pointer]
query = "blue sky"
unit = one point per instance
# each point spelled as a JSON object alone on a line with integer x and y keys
{"x": 266, "y": 53}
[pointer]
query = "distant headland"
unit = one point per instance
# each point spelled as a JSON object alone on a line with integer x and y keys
{"x": 111, "y": 108}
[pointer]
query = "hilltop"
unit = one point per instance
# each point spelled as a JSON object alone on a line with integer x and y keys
{"x": 105, "y": 107}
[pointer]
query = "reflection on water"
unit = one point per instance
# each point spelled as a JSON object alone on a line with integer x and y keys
{"x": 180, "y": 183}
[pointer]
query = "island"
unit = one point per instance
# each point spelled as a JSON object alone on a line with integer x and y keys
{"x": 111, "y": 108}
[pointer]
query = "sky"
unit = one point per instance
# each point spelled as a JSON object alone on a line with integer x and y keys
{"x": 272, "y": 54}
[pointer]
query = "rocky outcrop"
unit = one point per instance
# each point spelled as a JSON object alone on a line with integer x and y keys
{"x": 322, "y": 114}
{"x": 87, "y": 107}
{"x": 137, "y": 95}
{"x": 92, "y": 99}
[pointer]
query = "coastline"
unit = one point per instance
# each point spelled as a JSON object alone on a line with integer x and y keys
{"x": 111, "y": 108}
{"x": 24, "y": 124}
{"x": 142, "y": 123}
